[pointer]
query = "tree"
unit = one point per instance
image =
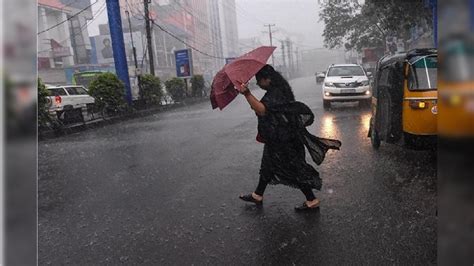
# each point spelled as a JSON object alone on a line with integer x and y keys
{"x": 151, "y": 89}
{"x": 108, "y": 91}
{"x": 197, "y": 85}
{"x": 357, "y": 26}
{"x": 176, "y": 87}
{"x": 43, "y": 104}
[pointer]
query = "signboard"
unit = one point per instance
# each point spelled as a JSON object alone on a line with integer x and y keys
{"x": 103, "y": 53}
{"x": 58, "y": 50}
{"x": 184, "y": 63}
{"x": 229, "y": 60}
{"x": 103, "y": 49}
{"x": 61, "y": 52}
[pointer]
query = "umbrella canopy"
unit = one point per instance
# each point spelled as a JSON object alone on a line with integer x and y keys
{"x": 239, "y": 71}
{"x": 222, "y": 92}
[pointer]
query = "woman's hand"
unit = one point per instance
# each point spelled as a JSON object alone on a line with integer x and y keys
{"x": 256, "y": 105}
{"x": 244, "y": 89}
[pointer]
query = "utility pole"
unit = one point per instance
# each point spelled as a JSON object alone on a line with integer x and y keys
{"x": 297, "y": 60}
{"x": 290, "y": 58}
{"x": 137, "y": 74}
{"x": 148, "y": 37}
{"x": 283, "y": 56}
{"x": 271, "y": 39}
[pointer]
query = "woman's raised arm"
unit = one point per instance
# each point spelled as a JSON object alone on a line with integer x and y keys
{"x": 256, "y": 105}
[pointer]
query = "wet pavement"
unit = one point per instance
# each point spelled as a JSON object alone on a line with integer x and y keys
{"x": 164, "y": 190}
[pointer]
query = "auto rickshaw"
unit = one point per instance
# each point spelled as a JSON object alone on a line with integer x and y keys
{"x": 456, "y": 89}
{"x": 404, "y": 99}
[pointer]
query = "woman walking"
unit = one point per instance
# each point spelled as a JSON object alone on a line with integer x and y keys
{"x": 281, "y": 126}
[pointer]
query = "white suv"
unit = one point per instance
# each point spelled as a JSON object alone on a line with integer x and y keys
{"x": 346, "y": 82}
{"x": 71, "y": 99}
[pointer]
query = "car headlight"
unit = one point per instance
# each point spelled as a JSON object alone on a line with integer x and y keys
{"x": 328, "y": 84}
{"x": 367, "y": 92}
{"x": 365, "y": 83}
{"x": 327, "y": 94}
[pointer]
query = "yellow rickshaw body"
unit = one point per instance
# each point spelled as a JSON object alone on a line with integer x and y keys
{"x": 456, "y": 109}
{"x": 419, "y": 111}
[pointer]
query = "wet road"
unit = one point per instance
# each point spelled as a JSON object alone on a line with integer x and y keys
{"x": 164, "y": 190}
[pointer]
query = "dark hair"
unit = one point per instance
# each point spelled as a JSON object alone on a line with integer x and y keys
{"x": 278, "y": 81}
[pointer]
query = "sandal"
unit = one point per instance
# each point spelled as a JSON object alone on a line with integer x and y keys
{"x": 304, "y": 207}
{"x": 249, "y": 198}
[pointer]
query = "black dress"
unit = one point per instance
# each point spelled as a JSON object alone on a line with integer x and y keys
{"x": 283, "y": 129}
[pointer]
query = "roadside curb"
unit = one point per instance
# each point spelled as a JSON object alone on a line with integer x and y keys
{"x": 79, "y": 127}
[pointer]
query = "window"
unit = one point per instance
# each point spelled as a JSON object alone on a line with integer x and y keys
{"x": 81, "y": 91}
{"x": 424, "y": 74}
{"x": 346, "y": 71}
{"x": 76, "y": 91}
{"x": 57, "y": 91}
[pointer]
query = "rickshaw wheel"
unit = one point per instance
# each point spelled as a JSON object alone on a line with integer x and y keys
{"x": 374, "y": 138}
{"x": 410, "y": 141}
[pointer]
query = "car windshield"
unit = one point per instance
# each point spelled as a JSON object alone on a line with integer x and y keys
{"x": 424, "y": 73}
{"x": 346, "y": 71}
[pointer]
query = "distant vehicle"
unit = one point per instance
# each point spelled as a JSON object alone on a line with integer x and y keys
{"x": 320, "y": 76}
{"x": 346, "y": 82}
{"x": 69, "y": 102}
{"x": 405, "y": 104}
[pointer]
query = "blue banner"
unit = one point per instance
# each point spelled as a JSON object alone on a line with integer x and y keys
{"x": 118, "y": 46}
{"x": 184, "y": 63}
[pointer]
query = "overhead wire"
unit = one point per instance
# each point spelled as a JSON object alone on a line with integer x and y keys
{"x": 98, "y": 13}
{"x": 180, "y": 40}
{"x": 198, "y": 41}
{"x": 185, "y": 43}
{"x": 69, "y": 18}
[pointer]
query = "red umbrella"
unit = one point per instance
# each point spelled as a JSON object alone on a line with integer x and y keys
{"x": 239, "y": 71}
{"x": 222, "y": 92}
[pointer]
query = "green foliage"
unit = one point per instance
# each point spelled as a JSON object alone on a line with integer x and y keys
{"x": 177, "y": 88}
{"x": 108, "y": 91}
{"x": 355, "y": 26}
{"x": 43, "y": 104}
{"x": 197, "y": 85}
{"x": 151, "y": 89}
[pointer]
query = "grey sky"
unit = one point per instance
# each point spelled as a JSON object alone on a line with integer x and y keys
{"x": 297, "y": 19}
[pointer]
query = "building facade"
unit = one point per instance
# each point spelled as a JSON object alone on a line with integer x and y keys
{"x": 54, "y": 42}
{"x": 63, "y": 39}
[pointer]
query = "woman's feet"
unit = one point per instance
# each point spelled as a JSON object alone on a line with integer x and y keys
{"x": 257, "y": 199}
{"x": 308, "y": 205}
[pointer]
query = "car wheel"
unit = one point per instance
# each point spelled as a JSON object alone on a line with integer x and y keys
{"x": 374, "y": 138}
{"x": 80, "y": 116}
{"x": 326, "y": 104}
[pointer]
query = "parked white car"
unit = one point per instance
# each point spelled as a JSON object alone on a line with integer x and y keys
{"x": 71, "y": 98}
{"x": 346, "y": 82}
